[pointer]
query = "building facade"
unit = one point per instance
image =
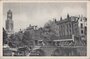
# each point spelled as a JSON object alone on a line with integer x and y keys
{"x": 82, "y": 24}
{"x": 9, "y": 23}
{"x": 68, "y": 27}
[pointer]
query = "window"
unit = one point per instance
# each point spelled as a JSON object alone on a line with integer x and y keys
{"x": 81, "y": 25}
{"x": 69, "y": 25}
{"x": 81, "y": 31}
{"x": 36, "y": 42}
{"x": 85, "y": 30}
{"x": 70, "y": 31}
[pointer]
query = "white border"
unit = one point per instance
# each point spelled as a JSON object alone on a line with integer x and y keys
{"x": 48, "y": 57}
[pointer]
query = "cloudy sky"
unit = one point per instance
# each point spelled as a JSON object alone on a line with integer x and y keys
{"x": 40, "y": 13}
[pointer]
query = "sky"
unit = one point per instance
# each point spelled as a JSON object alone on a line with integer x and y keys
{"x": 40, "y": 13}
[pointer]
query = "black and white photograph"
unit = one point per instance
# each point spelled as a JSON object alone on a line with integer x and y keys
{"x": 44, "y": 29}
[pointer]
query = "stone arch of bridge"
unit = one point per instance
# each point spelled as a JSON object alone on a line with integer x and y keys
{"x": 58, "y": 52}
{"x": 48, "y": 50}
{"x": 40, "y": 52}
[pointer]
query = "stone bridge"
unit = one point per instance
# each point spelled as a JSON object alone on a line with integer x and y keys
{"x": 58, "y": 51}
{"x": 48, "y": 50}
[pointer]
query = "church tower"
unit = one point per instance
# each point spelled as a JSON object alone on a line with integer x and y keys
{"x": 9, "y": 23}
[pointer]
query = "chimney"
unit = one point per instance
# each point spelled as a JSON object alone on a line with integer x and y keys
{"x": 35, "y": 27}
{"x": 68, "y": 16}
{"x": 54, "y": 20}
{"x": 60, "y": 18}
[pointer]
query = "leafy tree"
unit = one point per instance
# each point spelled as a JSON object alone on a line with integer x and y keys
{"x": 4, "y": 36}
{"x": 16, "y": 39}
{"x": 27, "y": 38}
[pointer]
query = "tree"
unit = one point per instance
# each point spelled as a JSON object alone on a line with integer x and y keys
{"x": 4, "y": 36}
{"x": 27, "y": 38}
{"x": 16, "y": 39}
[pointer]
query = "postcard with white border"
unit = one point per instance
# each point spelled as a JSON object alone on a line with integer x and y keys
{"x": 44, "y": 29}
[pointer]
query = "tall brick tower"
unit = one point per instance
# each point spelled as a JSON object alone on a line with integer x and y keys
{"x": 9, "y": 23}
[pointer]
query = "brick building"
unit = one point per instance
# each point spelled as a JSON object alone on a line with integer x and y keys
{"x": 68, "y": 27}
